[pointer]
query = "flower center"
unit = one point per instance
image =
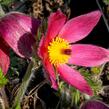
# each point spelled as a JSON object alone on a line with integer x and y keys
{"x": 59, "y": 51}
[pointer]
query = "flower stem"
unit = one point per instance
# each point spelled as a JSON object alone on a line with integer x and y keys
{"x": 2, "y": 13}
{"x": 107, "y": 26}
{"x": 104, "y": 18}
{"x": 3, "y": 99}
{"x": 24, "y": 85}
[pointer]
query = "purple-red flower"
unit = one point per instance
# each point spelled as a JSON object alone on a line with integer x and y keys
{"x": 94, "y": 104}
{"x": 16, "y": 32}
{"x": 57, "y": 50}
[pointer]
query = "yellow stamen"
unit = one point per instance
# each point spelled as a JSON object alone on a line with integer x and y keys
{"x": 59, "y": 51}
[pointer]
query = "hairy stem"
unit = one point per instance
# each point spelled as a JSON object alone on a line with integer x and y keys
{"x": 2, "y": 13}
{"x": 104, "y": 18}
{"x": 107, "y": 26}
{"x": 24, "y": 85}
{"x": 3, "y": 99}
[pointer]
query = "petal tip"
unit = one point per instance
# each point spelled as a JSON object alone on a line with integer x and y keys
{"x": 89, "y": 91}
{"x": 54, "y": 87}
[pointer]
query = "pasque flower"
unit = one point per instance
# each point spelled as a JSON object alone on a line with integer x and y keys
{"x": 58, "y": 49}
{"x": 16, "y": 32}
{"x": 94, "y": 104}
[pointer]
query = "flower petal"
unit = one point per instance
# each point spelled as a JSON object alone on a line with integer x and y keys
{"x": 4, "y": 57}
{"x": 41, "y": 49}
{"x": 55, "y": 23}
{"x": 88, "y": 55}
{"x": 94, "y": 104}
{"x": 74, "y": 78}
{"x": 79, "y": 27}
{"x": 50, "y": 70}
{"x": 4, "y": 61}
{"x": 17, "y": 32}
{"x": 29, "y": 24}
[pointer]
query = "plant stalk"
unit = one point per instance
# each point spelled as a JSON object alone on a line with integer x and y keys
{"x": 24, "y": 85}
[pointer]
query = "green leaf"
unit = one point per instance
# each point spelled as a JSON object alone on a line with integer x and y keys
{"x": 106, "y": 2}
{"x": 75, "y": 96}
{"x": 6, "y": 2}
{"x": 18, "y": 106}
{"x": 92, "y": 77}
{"x": 3, "y": 80}
{"x": 96, "y": 70}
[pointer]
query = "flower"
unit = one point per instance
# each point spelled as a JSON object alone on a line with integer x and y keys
{"x": 94, "y": 104}
{"x": 57, "y": 49}
{"x": 16, "y": 32}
